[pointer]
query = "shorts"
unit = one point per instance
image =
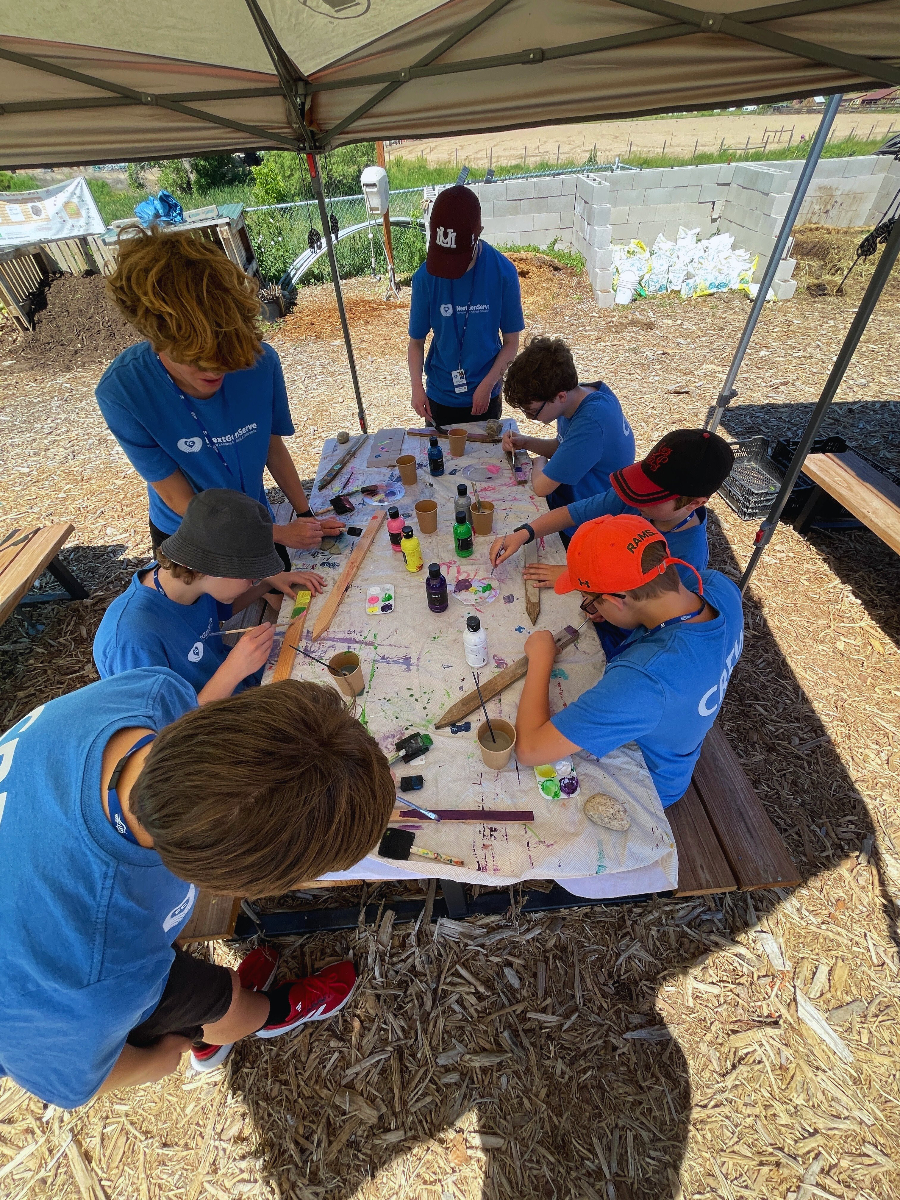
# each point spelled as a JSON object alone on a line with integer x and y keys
{"x": 157, "y": 536}
{"x": 446, "y": 416}
{"x": 197, "y": 993}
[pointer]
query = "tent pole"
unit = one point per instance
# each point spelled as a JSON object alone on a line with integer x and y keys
{"x": 315, "y": 176}
{"x": 728, "y": 391}
{"x": 842, "y": 362}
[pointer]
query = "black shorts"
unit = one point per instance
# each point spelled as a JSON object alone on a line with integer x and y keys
{"x": 157, "y": 536}
{"x": 445, "y": 416}
{"x": 196, "y": 994}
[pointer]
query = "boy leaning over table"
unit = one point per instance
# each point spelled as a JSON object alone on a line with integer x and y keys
{"x": 665, "y": 687}
{"x": 118, "y": 802}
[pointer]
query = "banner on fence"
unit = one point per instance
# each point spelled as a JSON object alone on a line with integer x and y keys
{"x": 65, "y": 210}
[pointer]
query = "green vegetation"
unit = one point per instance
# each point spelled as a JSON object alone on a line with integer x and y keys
{"x": 17, "y": 183}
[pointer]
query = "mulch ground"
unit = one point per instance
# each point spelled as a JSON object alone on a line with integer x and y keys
{"x": 729, "y": 1046}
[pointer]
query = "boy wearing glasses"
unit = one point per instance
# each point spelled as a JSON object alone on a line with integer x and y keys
{"x": 220, "y": 559}
{"x": 593, "y": 437}
{"x": 665, "y": 687}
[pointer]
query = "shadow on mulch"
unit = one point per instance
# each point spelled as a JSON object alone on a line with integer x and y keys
{"x": 577, "y": 1103}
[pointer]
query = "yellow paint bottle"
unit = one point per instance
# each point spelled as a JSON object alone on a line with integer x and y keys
{"x": 412, "y": 551}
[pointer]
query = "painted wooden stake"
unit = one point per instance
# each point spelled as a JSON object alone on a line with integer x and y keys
{"x": 532, "y": 592}
{"x": 336, "y": 595}
{"x": 287, "y": 655}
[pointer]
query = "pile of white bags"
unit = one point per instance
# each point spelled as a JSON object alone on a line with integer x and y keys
{"x": 687, "y": 266}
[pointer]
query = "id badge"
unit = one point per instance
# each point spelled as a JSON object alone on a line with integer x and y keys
{"x": 459, "y": 380}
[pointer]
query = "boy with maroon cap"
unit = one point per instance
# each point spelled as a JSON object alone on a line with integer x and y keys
{"x": 467, "y": 294}
{"x": 665, "y": 687}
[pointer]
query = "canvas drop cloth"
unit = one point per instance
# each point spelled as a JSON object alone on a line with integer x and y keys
{"x": 415, "y": 669}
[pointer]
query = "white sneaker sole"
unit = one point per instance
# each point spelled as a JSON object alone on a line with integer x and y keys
{"x": 201, "y": 1066}
{"x": 318, "y": 1015}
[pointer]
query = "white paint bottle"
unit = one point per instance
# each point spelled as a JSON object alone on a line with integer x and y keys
{"x": 475, "y": 643}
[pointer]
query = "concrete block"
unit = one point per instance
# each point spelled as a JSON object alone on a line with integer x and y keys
{"x": 623, "y": 234}
{"x": 487, "y": 210}
{"x": 580, "y": 185}
{"x": 605, "y": 299}
{"x": 523, "y": 223}
{"x": 491, "y": 191}
{"x": 601, "y": 281}
{"x": 708, "y": 173}
{"x": 562, "y": 205}
{"x": 658, "y": 195}
{"x": 881, "y": 164}
{"x": 535, "y": 205}
{"x": 829, "y": 168}
{"x": 652, "y": 178}
{"x": 600, "y": 236}
{"x": 579, "y": 243}
{"x": 642, "y": 213}
{"x": 545, "y": 220}
{"x": 689, "y": 194}
{"x": 726, "y": 173}
{"x": 709, "y": 193}
{"x": 600, "y": 214}
{"x": 551, "y": 186}
{"x": 541, "y": 237}
{"x": 505, "y": 208}
{"x": 778, "y": 206}
{"x": 520, "y": 189}
{"x": 784, "y": 288}
{"x": 603, "y": 259}
{"x": 785, "y": 268}
{"x": 618, "y": 216}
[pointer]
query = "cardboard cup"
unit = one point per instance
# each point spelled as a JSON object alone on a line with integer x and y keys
{"x": 407, "y": 466}
{"x": 347, "y": 673}
{"x": 457, "y": 442}
{"x": 426, "y": 515}
{"x": 483, "y": 517}
{"x": 496, "y": 759}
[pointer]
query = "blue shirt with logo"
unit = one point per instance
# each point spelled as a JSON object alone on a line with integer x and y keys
{"x": 663, "y": 691}
{"x": 87, "y": 919}
{"x": 595, "y": 441}
{"x": 151, "y": 420}
{"x": 144, "y": 628}
{"x": 467, "y": 316}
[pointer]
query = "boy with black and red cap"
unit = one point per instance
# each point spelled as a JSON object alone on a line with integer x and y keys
{"x": 666, "y": 685}
{"x": 467, "y": 294}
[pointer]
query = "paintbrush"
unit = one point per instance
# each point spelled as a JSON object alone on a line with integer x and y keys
{"x": 477, "y": 497}
{"x": 484, "y": 707}
{"x": 426, "y": 812}
{"x": 243, "y": 629}
{"x": 300, "y": 650}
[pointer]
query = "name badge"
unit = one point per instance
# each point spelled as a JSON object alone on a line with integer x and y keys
{"x": 459, "y": 380}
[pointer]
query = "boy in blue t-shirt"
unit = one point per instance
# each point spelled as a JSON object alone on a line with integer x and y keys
{"x": 219, "y": 561}
{"x": 118, "y": 802}
{"x": 593, "y": 438}
{"x": 467, "y": 294}
{"x": 665, "y": 687}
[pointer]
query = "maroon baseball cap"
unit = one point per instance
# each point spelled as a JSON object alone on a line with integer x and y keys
{"x": 454, "y": 228}
{"x": 686, "y": 462}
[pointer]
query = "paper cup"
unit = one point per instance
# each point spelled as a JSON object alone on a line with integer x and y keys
{"x": 426, "y": 515}
{"x": 496, "y": 758}
{"x": 457, "y": 442}
{"x": 483, "y": 517}
{"x": 407, "y": 466}
{"x": 347, "y": 673}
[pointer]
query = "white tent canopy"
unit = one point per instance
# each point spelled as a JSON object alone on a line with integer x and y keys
{"x": 118, "y": 80}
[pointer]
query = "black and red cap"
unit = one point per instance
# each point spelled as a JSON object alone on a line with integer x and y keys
{"x": 454, "y": 227}
{"x": 686, "y": 462}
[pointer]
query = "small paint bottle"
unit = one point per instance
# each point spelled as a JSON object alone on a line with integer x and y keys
{"x": 412, "y": 551}
{"x": 463, "y": 501}
{"x": 435, "y": 457}
{"x": 462, "y": 535}
{"x": 436, "y": 589}
{"x": 475, "y": 643}
{"x": 395, "y": 525}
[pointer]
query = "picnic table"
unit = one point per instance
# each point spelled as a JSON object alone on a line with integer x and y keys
{"x": 24, "y": 555}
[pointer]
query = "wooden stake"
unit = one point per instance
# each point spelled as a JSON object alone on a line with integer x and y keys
{"x": 499, "y": 682}
{"x": 335, "y": 469}
{"x": 287, "y": 655}
{"x": 532, "y": 592}
{"x": 336, "y": 595}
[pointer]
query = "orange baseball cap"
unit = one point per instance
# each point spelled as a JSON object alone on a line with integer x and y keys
{"x": 604, "y": 555}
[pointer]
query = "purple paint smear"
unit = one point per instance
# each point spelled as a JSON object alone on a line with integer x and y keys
{"x": 462, "y": 585}
{"x": 509, "y": 599}
{"x": 500, "y": 662}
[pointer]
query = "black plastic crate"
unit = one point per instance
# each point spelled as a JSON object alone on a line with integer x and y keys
{"x": 754, "y": 480}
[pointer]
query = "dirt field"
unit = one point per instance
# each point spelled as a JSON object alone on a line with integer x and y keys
{"x": 679, "y": 136}
{"x": 644, "y": 1052}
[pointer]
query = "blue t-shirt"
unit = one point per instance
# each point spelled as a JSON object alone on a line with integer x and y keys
{"x": 87, "y": 919}
{"x": 593, "y": 443}
{"x": 691, "y": 544}
{"x": 663, "y": 691}
{"x": 151, "y": 419}
{"x": 144, "y": 628}
{"x": 473, "y": 311}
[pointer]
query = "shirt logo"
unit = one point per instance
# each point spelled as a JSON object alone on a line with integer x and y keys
{"x": 190, "y": 445}
{"x": 446, "y": 238}
{"x": 177, "y": 915}
{"x": 196, "y": 652}
{"x": 446, "y": 310}
{"x": 711, "y": 700}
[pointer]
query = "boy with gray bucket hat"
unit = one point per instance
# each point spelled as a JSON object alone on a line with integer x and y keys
{"x": 220, "y": 559}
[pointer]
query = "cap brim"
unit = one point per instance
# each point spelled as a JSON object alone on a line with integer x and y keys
{"x": 638, "y": 489}
{"x": 446, "y": 264}
{"x": 223, "y": 566}
{"x": 564, "y": 584}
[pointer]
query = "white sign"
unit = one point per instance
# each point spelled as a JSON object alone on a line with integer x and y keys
{"x": 65, "y": 210}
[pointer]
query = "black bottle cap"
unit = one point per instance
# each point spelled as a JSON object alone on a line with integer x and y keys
{"x": 473, "y": 624}
{"x": 434, "y": 570}
{"x": 462, "y": 490}
{"x": 408, "y": 531}
{"x": 461, "y": 517}
{"x": 432, "y": 441}
{"x": 393, "y": 513}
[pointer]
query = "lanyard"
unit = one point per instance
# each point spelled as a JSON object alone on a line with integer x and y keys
{"x": 189, "y": 405}
{"x": 116, "y": 815}
{"x": 680, "y": 525}
{"x": 460, "y": 338}
{"x": 678, "y": 620}
{"x": 159, "y": 587}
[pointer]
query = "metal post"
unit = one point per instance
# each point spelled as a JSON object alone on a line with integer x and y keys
{"x": 315, "y": 176}
{"x": 728, "y": 391}
{"x": 841, "y": 363}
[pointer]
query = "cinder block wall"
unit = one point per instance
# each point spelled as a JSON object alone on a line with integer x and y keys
{"x": 528, "y": 212}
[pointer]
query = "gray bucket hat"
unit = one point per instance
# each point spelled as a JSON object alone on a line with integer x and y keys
{"x": 226, "y": 534}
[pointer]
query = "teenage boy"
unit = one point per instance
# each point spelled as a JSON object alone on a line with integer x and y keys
{"x": 121, "y": 800}
{"x": 201, "y": 403}
{"x": 220, "y": 559}
{"x": 664, "y": 688}
{"x": 593, "y": 437}
{"x": 467, "y": 295}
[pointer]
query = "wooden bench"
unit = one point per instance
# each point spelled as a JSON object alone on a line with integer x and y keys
{"x": 24, "y": 556}
{"x": 725, "y": 841}
{"x": 862, "y": 490}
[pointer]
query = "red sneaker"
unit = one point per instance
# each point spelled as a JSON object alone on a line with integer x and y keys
{"x": 256, "y": 973}
{"x": 315, "y": 998}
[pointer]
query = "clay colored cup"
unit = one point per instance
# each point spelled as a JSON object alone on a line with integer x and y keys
{"x": 426, "y": 515}
{"x": 407, "y": 465}
{"x": 457, "y": 442}
{"x": 483, "y": 517}
{"x": 347, "y": 673}
{"x": 497, "y": 759}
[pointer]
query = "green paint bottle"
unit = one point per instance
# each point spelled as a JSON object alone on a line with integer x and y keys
{"x": 462, "y": 535}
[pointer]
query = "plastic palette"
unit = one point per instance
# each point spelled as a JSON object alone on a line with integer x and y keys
{"x": 380, "y": 599}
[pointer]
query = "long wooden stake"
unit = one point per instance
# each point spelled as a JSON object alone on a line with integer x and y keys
{"x": 532, "y": 592}
{"x": 287, "y": 655}
{"x": 497, "y": 683}
{"x": 336, "y": 595}
{"x": 335, "y": 469}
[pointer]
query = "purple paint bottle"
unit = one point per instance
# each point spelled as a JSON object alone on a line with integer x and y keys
{"x": 436, "y": 589}
{"x": 395, "y": 525}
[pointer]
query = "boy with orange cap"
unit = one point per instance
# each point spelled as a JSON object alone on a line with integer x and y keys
{"x": 666, "y": 685}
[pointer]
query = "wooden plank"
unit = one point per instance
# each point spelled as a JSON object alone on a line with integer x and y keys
{"x": 40, "y": 550}
{"x": 336, "y": 595}
{"x": 386, "y": 445}
{"x": 497, "y": 683}
{"x": 751, "y": 843}
{"x": 336, "y": 467}
{"x": 213, "y": 918}
{"x": 702, "y": 865}
{"x": 871, "y": 498}
{"x": 532, "y": 592}
{"x": 287, "y": 655}
{"x": 473, "y": 436}
{"x": 10, "y": 553}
